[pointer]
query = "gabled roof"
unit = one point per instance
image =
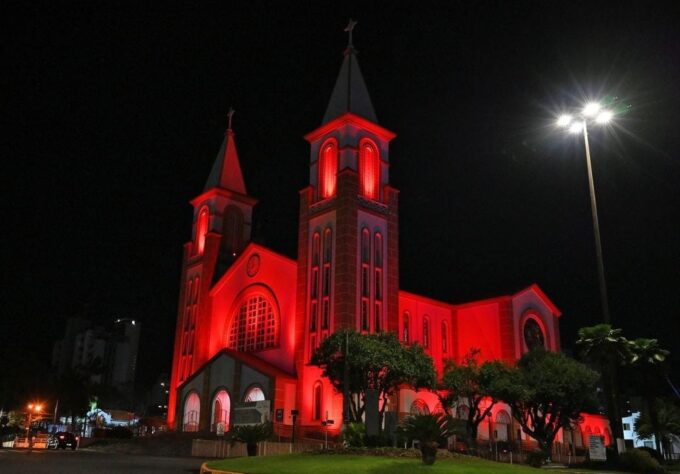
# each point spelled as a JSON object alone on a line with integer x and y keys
{"x": 350, "y": 93}
{"x": 226, "y": 171}
{"x": 548, "y": 302}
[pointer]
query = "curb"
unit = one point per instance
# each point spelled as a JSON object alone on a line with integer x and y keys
{"x": 206, "y": 470}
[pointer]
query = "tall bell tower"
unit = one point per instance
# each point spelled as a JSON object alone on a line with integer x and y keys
{"x": 348, "y": 229}
{"x": 220, "y": 231}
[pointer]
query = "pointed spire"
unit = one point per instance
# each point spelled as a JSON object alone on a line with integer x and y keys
{"x": 226, "y": 172}
{"x": 350, "y": 93}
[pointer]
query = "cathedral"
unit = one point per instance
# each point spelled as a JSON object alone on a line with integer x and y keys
{"x": 250, "y": 318}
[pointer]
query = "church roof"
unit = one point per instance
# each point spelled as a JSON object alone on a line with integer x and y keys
{"x": 226, "y": 171}
{"x": 350, "y": 93}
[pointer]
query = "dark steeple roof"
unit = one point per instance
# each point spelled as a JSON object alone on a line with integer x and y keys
{"x": 226, "y": 172}
{"x": 350, "y": 93}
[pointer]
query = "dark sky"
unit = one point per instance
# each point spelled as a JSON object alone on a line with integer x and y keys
{"x": 113, "y": 114}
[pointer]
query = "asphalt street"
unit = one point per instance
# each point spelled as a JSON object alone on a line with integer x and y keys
{"x": 70, "y": 462}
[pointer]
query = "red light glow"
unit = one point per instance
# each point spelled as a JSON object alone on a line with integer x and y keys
{"x": 369, "y": 169}
{"x": 328, "y": 169}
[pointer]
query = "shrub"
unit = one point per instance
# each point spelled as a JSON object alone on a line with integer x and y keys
{"x": 428, "y": 430}
{"x": 536, "y": 458}
{"x": 637, "y": 460}
{"x": 355, "y": 435}
{"x": 251, "y": 435}
{"x": 653, "y": 453}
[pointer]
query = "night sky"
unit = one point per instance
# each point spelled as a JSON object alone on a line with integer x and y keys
{"x": 113, "y": 114}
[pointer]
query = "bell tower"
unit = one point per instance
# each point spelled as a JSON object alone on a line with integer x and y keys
{"x": 220, "y": 231}
{"x": 348, "y": 228}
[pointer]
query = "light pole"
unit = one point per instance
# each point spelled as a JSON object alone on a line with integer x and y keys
{"x": 579, "y": 124}
{"x": 33, "y": 409}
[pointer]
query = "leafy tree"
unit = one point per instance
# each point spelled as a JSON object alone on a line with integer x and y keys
{"x": 607, "y": 350}
{"x": 374, "y": 361}
{"x": 648, "y": 363}
{"x": 476, "y": 385}
{"x": 548, "y": 391}
{"x": 251, "y": 435}
{"x": 427, "y": 430}
{"x": 665, "y": 424}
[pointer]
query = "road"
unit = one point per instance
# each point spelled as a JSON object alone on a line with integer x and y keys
{"x": 72, "y": 462}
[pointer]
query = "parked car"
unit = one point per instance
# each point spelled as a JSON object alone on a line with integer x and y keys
{"x": 64, "y": 439}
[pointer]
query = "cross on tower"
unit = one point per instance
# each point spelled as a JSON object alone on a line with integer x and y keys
{"x": 230, "y": 114}
{"x": 349, "y": 28}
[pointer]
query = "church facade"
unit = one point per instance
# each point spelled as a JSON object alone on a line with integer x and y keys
{"x": 250, "y": 318}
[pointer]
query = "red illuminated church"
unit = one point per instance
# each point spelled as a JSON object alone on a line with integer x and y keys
{"x": 249, "y": 318}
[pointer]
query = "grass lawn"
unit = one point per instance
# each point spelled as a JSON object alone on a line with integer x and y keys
{"x": 344, "y": 464}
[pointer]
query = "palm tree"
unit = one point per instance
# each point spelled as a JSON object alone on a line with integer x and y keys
{"x": 427, "y": 430}
{"x": 647, "y": 360}
{"x": 607, "y": 349}
{"x": 665, "y": 425}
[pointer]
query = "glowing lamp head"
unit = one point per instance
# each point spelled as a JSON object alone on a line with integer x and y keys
{"x": 38, "y": 407}
{"x": 576, "y": 127}
{"x": 30, "y": 406}
{"x": 604, "y": 117}
{"x": 591, "y": 109}
{"x": 564, "y": 120}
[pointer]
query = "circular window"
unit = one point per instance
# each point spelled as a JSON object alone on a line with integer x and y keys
{"x": 533, "y": 335}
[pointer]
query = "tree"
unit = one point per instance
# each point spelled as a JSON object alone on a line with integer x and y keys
{"x": 427, "y": 430}
{"x": 665, "y": 424}
{"x": 607, "y": 350}
{"x": 375, "y": 361}
{"x": 476, "y": 385}
{"x": 547, "y": 392}
{"x": 251, "y": 435}
{"x": 647, "y": 361}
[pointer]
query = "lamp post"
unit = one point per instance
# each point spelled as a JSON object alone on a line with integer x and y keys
{"x": 33, "y": 409}
{"x": 579, "y": 124}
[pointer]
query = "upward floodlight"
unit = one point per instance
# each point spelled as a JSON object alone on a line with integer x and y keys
{"x": 591, "y": 109}
{"x": 576, "y": 127}
{"x": 564, "y": 120}
{"x": 604, "y": 117}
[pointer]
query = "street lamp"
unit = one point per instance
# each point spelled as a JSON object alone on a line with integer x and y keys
{"x": 33, "y": 409}
{"x": 594, "y": 113}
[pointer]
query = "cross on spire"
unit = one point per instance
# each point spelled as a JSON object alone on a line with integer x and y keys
{"x": 230, "y": 115}
{"x": 349, "y": 29}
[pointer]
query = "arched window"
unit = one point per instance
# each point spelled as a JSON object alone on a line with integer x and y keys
{"x": 378, "y": 279}
{"x": 254, "y": 394}
{"x": 533, "y": 335}
{"x": 314, "y": 282}
{"x": 369, "y": 169}
{"x": 202, "y": 228}
{"x": 316, "y": 405}
{"x": 328, "y": 168}
{"x": 426, "y": 332}
{"x": 220, "y": 410}
{"x": 445, "y": 337}
{"x": 232, "y": 230}
{"x": 255, "y": 326}
{"x": 405, "y": 328}
{"x": 419, "y": 407}
{"x": 192, "y": 412}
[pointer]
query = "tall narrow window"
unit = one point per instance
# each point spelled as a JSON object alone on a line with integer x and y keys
{"x": 328, "y": 166}
{"x": 326, "y": 288}
{"x": 378, "y": 279}
{"x": 365, "y": 278}
{"x": 314, "y": 283}
{"x": 426, "y": 333}
{"x": 445, "y": 337}
{"x": 232, "y": 230}
{"x": 202, "y": 229}
{"x": 316, "y": 408}
{"x": 369, "y": 169}
{"x": 405, "y": 328}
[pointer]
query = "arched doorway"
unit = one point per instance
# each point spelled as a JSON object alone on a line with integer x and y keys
{"x": 192, "y": 412}
{"x": 220, "y": 411}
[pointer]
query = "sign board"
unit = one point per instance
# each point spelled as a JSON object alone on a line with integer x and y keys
{"x": 220, "y": 429}
{"x": 596, "y": 448}
{"x": 250, "y": 413}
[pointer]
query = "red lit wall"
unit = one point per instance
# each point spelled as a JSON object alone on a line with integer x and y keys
{"x": 478, "y": 326}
